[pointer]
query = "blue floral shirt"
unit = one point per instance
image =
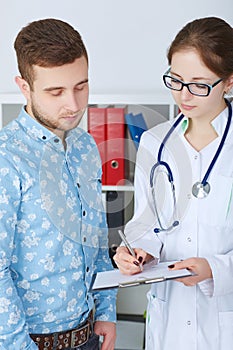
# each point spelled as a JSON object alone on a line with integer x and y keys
{"x": 53, "y": 232}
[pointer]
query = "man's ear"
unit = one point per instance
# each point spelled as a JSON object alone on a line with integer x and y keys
{"x": 24, "y": 87}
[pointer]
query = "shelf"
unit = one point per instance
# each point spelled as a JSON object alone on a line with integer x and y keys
{"x": 158, "y": 98}
{"x": 125, "y": 188}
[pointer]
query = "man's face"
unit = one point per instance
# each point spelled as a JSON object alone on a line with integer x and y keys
{"x": 60, "y": 96}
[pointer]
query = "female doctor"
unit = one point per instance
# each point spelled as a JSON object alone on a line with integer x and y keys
{"x": 184, "y": 196}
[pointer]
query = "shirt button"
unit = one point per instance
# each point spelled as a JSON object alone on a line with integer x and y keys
{"x": 189, "y": 323}
{"x": 189, "y": 239}
{"x": 87, "y": 269}
{"x": 84, "y": 239}
{"x": 78, "y": 185}
{"x": 56, "y": 140}
{"x": 195, "y": 157}
{"x": 44, "y": 137}
{"x": 189, "y": 196}
{"x": 84, "y": 213}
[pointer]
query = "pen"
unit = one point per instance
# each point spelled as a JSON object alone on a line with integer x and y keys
{"x": 128, "y": 246}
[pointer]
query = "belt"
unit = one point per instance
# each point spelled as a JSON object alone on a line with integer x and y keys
{"x": 66, "y": 339}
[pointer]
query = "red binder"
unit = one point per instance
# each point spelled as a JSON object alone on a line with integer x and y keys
{"x": 97, "y": 128}
{"x": 115, "y": 140}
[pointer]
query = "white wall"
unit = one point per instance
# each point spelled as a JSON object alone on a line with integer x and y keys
{"x": 127, "y": 40}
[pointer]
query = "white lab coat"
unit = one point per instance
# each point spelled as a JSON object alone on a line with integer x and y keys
{"x": 180, "y": 317}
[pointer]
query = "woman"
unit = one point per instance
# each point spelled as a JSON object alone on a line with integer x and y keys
{"x": 183, "y": 196}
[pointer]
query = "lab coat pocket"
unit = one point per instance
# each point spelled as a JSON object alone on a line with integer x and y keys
{"x": 226, "y": 330}
{"x": 217, "y": 208}
{"x": 154, "y": 322}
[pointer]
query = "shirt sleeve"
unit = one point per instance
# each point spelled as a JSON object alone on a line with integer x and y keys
{"x": 222, "y": 270}
{"x": 13, "y": 328}
{"x": 105, "y": 301}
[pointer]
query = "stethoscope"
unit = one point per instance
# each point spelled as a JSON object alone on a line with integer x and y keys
{"x": 200, "y": 189}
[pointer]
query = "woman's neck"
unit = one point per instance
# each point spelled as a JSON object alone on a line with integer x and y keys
{"x": 200, "y": 133}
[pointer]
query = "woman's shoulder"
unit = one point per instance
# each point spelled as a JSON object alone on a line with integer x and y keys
{"x": 157, "y": 132}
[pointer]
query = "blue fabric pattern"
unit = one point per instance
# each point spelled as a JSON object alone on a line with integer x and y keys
{"x": 53, "y": 232}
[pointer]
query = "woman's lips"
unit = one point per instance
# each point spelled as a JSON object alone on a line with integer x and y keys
{"x": 186, "y": 107}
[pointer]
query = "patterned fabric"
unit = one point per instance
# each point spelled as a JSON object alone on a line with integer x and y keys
{"x": 53, "y": 232}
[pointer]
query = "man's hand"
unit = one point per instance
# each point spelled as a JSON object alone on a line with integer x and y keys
{"x": 108, "y": 331}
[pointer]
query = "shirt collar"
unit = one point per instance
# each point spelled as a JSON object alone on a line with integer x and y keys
{"x": 219, "y": 123}
{"x": 32, "y": 127}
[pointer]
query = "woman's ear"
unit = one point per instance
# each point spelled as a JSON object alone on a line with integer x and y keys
{"x": 229, "y": 85}
{"x": 24, "y": 86}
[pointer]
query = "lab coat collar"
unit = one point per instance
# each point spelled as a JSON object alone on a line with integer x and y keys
{"x": 218, "y": 123}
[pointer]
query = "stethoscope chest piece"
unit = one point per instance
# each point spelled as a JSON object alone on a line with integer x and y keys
{"x": 199, "y": 190}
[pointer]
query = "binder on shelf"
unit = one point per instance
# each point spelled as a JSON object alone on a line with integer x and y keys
{"x": 136, "y": 125}
{"x": 115, "y": 218}
{"x": 97, "y": 128}
{"x": 115, "y": 150}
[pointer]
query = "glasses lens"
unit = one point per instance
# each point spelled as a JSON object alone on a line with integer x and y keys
{"x": 172, "y": 83}
{"x": 199, "y": 89}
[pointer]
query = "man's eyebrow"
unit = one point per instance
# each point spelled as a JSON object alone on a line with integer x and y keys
{"x": 53, "y": 88}
{"x": 82, "y": 82}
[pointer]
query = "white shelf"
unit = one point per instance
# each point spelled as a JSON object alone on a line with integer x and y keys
{"x": 11, "y": 98}
{"x": 125, "y": 188}
{"x": 157, "y": 98}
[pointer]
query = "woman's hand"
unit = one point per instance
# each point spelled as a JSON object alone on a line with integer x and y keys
{"x": 199, "y": 266}
{"x": 129, "y": 265}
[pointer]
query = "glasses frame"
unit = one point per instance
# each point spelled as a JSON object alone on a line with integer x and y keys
{"x": 209, "y": 87}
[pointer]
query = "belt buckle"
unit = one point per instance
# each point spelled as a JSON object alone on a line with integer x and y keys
{"x": 80, "y": 336}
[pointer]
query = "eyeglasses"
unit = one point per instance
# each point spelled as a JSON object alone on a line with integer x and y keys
{"x": 197, "y": 89}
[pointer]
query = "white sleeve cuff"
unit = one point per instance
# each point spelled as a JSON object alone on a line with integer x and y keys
{"x": 207, "y": 287}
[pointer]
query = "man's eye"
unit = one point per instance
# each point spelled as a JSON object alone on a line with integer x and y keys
{"x": 56, "y": 92}
{"x": 81, "y": 87}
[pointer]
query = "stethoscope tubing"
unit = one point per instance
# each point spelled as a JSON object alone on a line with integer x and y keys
{"x": 170, "y": 131}
{"x": 164, "y": 164}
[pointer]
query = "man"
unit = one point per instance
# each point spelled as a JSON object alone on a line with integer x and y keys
{"x": 53, "y": 232}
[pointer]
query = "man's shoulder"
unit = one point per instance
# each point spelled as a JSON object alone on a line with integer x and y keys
{"x": 83, "y": 136}
{"x": 8, "y": 131}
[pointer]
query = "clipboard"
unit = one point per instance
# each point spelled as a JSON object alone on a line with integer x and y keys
{"x": 152, "y": 273}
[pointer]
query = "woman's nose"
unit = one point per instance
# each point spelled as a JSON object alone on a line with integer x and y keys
{"x": 185, "y": 93}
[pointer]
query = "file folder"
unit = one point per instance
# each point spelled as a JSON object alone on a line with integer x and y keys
{"x": 115, "y": 210}
{"x": 136, "y": 125}
{"x": 115, "y": 150}
{"x": 97, "y": 128}
{"x": 152, "y": 273}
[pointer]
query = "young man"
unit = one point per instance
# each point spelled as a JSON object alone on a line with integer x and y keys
{"x": 53, "y": 232}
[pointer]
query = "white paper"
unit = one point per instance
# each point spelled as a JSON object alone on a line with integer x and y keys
{"x": 151, "y": 273}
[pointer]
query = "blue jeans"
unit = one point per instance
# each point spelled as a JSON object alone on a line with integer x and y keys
{"x": 92, "y": 344}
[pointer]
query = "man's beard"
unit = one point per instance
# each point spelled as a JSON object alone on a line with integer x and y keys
{"x": 54, "y": 125}
{"x": 43, "y": 121}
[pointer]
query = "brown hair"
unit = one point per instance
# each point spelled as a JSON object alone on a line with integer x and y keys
{"x": 212, "y": 38}
{"x": 47, "y": 43}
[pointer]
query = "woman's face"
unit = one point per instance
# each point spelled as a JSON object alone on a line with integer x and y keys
{"x": 187, "y": 66}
